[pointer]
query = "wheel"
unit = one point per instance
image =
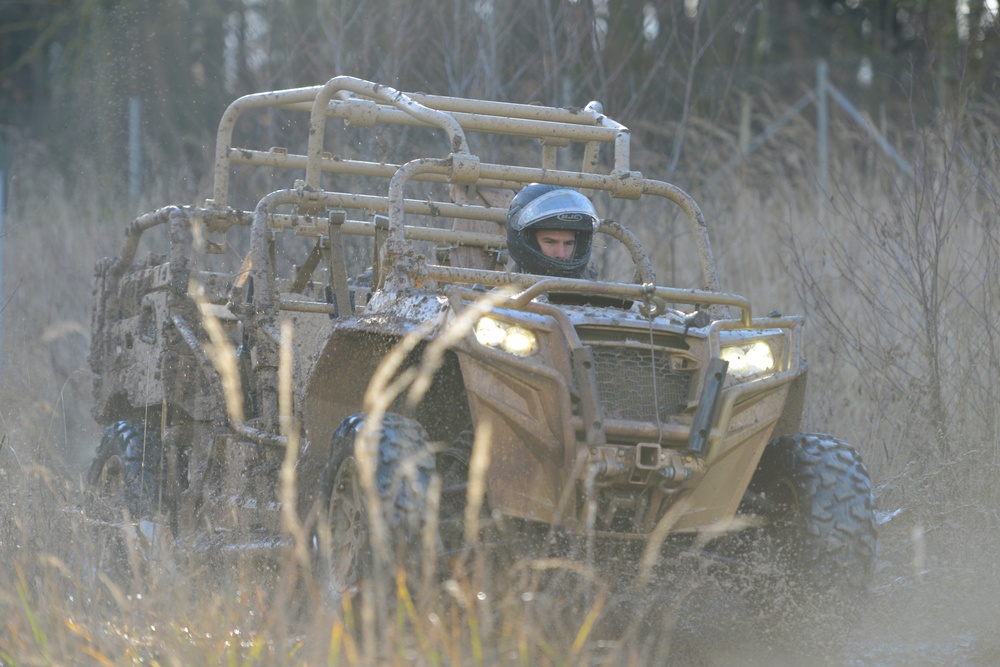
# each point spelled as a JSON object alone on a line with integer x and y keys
{"x": 453, "y": 465}
{"x": 815, "y": 496}
{"x": 126, "y": 469}
{"x": 123, "y": 479}
{"x": 404, "y": 467}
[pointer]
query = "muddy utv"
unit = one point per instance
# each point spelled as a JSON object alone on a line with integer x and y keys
{"x": 358, "y": 330}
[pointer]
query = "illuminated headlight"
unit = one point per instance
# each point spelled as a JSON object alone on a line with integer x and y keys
{"x": 751, "y": 359}
{"x": 510, "y": 338}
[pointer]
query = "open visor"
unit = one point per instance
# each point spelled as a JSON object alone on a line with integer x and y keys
{"x": 560, "y": 209}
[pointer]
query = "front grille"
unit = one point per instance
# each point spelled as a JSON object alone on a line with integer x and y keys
{"x": 638, "y": 384}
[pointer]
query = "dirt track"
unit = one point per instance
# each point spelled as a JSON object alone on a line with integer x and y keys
{"x": 947, "y": 613}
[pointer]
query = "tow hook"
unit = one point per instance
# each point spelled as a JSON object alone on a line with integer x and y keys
{"x": 672, "y": 474}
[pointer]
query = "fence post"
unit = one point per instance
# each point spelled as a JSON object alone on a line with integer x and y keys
{"x": 3, "y": 231}
{"x": 134, "y": 148}
{"x": 822, "y": 127}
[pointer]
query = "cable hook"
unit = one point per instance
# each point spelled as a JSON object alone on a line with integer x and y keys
{"x": 651, "y": 306}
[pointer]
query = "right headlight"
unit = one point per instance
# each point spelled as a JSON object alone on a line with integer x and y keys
{"x": 749, "y": 359}
{"x": 510, "y": 338}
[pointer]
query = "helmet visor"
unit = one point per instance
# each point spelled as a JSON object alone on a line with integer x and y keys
{"x": 562, "y": 209}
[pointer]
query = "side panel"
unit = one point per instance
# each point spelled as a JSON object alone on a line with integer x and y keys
{"x": 141, "y": 355}
{"x": 527, "y": 417}
{"x": 732, "y": 460}
{"x": 128, "y": 337}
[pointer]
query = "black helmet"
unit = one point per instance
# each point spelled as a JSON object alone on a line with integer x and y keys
{"x": 537, "y": 207}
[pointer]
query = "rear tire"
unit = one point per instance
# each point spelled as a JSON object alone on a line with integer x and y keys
{"x": 125, "y": 488}
{"x": 126, "y": 469}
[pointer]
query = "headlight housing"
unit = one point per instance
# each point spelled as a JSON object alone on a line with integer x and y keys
{"x": 511, "y": 338}
{"x": 749, "y": 359}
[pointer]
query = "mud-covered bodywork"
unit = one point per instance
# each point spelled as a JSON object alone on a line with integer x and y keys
{"x": 248, "y": 330}
{"x": 602, "y": 409}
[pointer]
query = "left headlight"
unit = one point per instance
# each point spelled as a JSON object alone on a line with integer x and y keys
{"x": 510, "y": 338}
{"x": 750, "y": 359}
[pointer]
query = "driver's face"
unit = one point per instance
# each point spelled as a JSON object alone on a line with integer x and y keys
{"x": 556, "y": 243}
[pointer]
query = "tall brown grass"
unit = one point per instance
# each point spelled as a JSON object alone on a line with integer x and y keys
{"x": 897, "y": 277}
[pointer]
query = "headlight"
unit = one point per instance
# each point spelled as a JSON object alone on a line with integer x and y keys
{"x": 751, "y": 359}
{"x": 510, "y": 338}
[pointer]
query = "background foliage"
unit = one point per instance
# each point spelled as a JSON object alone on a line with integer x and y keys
{"x": 68, "y": 67}
{"x": 896, "y": 275}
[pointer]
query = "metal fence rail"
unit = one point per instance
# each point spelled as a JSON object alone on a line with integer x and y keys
{"x": 821, "y": 96}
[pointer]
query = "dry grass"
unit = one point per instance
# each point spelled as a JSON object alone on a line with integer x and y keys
{"x": 848, "y": 259}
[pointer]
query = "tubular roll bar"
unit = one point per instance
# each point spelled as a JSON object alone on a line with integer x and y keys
{"x": 364, "y": 103}
{"x": 551, "y": 125}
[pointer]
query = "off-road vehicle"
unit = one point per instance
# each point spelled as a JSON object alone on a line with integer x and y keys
{"x": 259, "y": 336}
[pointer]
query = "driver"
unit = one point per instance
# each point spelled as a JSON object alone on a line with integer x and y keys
{"x": 550, "y": 230}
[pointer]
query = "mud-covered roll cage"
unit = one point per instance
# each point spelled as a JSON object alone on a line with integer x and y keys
{"x": 364, "y": 103}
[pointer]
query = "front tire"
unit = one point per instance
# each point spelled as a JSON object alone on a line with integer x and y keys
{"x": 404, "y": 467}
{"x": 815, "y": 497}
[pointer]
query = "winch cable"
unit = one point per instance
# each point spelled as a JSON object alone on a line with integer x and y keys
{"x": 651, "y": 310}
